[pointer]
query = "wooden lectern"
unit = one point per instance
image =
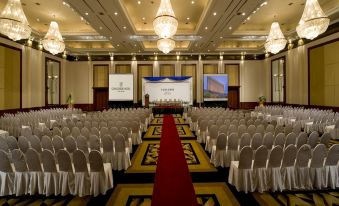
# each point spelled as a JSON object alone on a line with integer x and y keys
{"x": 146, "y": 100}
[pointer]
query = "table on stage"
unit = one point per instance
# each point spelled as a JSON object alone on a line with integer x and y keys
{"x": 167, "y": 107}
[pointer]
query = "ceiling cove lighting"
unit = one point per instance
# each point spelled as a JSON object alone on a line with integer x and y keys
{"x": 313, "y": 22}
{"x": 53, "y": 41}
{"x": 165, "y": 45}
{"x": 165, "y": 24}
{"x": 275, "y": 41}
{"x": 13, "y": 22}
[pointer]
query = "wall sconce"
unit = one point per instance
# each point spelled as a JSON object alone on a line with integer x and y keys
{"x": 40, "y": 47}
{"x": 300, "y": 42}
{"x": 64, "y": 55}
{"x": 30, "y": 41}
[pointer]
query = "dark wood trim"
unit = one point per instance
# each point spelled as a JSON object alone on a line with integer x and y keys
{"x": 284, "y": 70}
{"x": 248, "y": 105}
{"x": 20, "y": 50}
{"x": 46, "y": 80}
{"x": 84, "y": 107}
{"x": 309, "y": 66}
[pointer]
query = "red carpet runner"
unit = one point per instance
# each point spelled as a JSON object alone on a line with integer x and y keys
{"x": 173, "y": 184}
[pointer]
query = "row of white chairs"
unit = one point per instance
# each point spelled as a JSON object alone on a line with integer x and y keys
{"x": 285, "y": 169}
{"x": 33, "y": 173}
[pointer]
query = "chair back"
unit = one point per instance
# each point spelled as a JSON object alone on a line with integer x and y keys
{"x": 95, "y": 131}
{"x": 113, "y": 131}
{"x": 318, "y": 156}
{"x": 242, "y": 129}
{"x": 232, "y": 142}
{"x": 251, "y": 129}
{"x": 19, "y": 161}
{"x": 119, "y": 141}
{"x": 33, "y": 160}
{"x": 303, "y": 156}
{"x": 313, "y": 139}
{"x": 56, "y": 131}
{"x": 290, "y": 153}
{"x": 48, "y": 161}
{"x": 223, "y": 129}
{"x": 79, "y": 161}
{"x": 95, "y": 161}
{"x": 75, "y": 132}
{"x": 325, "y": 139}
{"x": 270, "y": 128}
{"x": 246, "y": 156}
{"x": 64, "y": 161}
{"x": 232, "y": 129}
{"x": 279, "y": 140}
{"x": 301, "y": 139}
{"x": 46, "y": 143}
{"x": 332, "y": 155}
{"x": 103, "y": 131}
{"x": 256, "y": 141}
{"x": 12, "y": 143}
{"x": 245, "y": 140}
{"x": 35, "y": 143}
{"x": 65, "y": 132}
{"x": 107, "y": 143}
{"x": 94, "y": 142}
{"x": 268, "y": 140}
{"x": 213, "y": 131}
{"x": 58, "y": 143}
{"x": 85, "y": 132}
{"x": 288, "y": 129}
{"x": 275, "y": 157}
{"x": 82, "y": 144}
{"x": 3, "y": 144}
{"x": 260, "y": 129}
{"x": 70, "y": 144}
{"x": 23, "y": 144}
{"x": 260, "y": 157}
{"x": 291, "y": 138}
{"x": 5, "y": 164}
{"x": 221, "y": 142}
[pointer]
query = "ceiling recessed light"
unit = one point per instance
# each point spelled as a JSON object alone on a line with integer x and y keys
{"x": 86, "y": 13}
{"x": 115, "y": 13}
{"x": 230, "y": 28}
{"x": 143, "y": 18}
{"x": 214, "y": 13}
{"x": 243, "y": 13}
{"x": 82, "y": 18}
{"x": 110, "y": 37}
{"x": 192, "y": 2}
{"x": 206, "y": 27}
{"x": 100, "y": 27}
{"x": 248, "y": 18}
{"x": 188, "y": 18}
{"x": 139, "y": 2}
{"x": 124, "y": 27}
{"x": 37, "y": 19}
{"x": 221, "y": 37}
{"x": 118, "y": 45}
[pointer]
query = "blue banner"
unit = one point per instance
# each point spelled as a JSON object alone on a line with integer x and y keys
{"x": 175, "y": 78}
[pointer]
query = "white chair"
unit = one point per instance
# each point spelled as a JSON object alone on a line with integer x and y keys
{"x": 259, "y": 169}
{"x": 124, "y": 131}
{"x": 301, "y": 139}
{"x": 232, "y": 153}
{"x": 274, "y": 179}
{"x": 268, "y": 140}
{"x": 251, "y": 129}
{"x": 331, "y": 167}
{"x": 287, "y": 167}
{"x": 256, "y": 141}
{"x": 121, "y": 158}
{"x": 317, "y": 167}
{"x": 100, "y": 174}
{"x": 240, "y": 174}
{"x": 75, "y": 132}
{"x": 291, "y": 138}
{"x": 56, "y": 131}
{"x": 136, "y": 133}
{"x": 94, "y": 142}
{"x": 82, "y": 184}
{"x": 67, "y": 179}
{"x": 85, "y": 132}
{"x": 51, "y": 175}
{"x": 36, "y": 177}
{"x": 245, "y": 140}
{"x": 325, "y": 139}
{"x": 21, "y": 176}
{"x": 70, "y": 144}
{"x": 211, "y": 138}
{"x": 202, "y": 131}
{"x": 82, "y": 145}
{"x": 12, "y": 143}
{"x": 279, "y": 140}
{"x": 302, "y": 171}
{"x": 58, "y": 143}
{"x": 65, "y": 132}
{"x": 218, "y": 156}
{"x": 107, "y": 146}
{"x": 313, "y": 139}
{"x": 95, "y": 131}
{"x": 23, "y": 144}
{"x": 35, "y": 143}
{"x": 46, "y": 143}
{"x": 6, "y": 175}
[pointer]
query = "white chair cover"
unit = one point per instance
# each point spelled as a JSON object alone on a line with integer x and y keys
{"x": 259, "y": 169}
{"x": 136, "y": 133}
{"x": 274, "y": 179}
{"x": 51, "y": 175}
{"x": 36, "y": 176}
{"x": 218, "y": 157}
{"x": 317, "y": 174}
{"x": 287, "y": 167}
{"x": 82, "y": 179}
{"x": 100, "y": 174}
{"x": 21, "y": 178}
{"x": 121, "y": 159}
{"x": 232, "y": 153}
{"x": 331, "y": 167}
{"x": 67, "y": 179}
{"x": 211, "y": 138}
{"x": 58, "y": 143}
{"x": 240, "y": 174}
{"x": 301, "y": 167}
{"x": 6, "y": 175}
{"x": 107, "y": 146}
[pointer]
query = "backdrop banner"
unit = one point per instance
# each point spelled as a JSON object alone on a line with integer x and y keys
{"x": 168, "y": 88}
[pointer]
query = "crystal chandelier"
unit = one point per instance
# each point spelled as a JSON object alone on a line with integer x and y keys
{"x": 53, "y": 41}
{"x": 275, "y": 41}
{"x": 13, "y": 22}
{"x": 166, "y": 45}
{"x": 165, "y": 24}
{"x": 313, "y": 22}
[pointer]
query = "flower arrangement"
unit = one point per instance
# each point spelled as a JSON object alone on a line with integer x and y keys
{"x": 69, "y": 101}
{"x": 262, "y": 100}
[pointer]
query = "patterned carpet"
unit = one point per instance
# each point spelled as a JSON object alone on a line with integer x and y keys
{"x": 159, "y": 121}
{"x": 154, "y": 132}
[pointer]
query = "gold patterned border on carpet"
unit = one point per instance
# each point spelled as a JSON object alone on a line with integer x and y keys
{"x": 154, "y": 132}
{"x": 174, "y": 115}
{"x": 159, "y": 121}
{"x": 316, "y": 198}
{"x": 141, "y": 194}
{"x": 138, "y": 159}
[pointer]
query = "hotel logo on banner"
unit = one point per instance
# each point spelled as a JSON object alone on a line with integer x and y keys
{"x": 121, "y": 88}
{"x": 167, "y": 91}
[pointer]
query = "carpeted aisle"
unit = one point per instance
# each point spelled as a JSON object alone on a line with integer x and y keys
{"x": 173, "y": 183}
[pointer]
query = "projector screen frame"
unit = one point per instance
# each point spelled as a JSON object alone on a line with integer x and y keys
{"x": 214, "y": 99}
{"x": 168, "y": 80}
{"x": 132, "y": 88}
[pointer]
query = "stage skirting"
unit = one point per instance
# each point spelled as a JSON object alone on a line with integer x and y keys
{"x": 168, "y": 110}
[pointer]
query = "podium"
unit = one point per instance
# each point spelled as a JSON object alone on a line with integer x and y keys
{"x": 146, "y": 100}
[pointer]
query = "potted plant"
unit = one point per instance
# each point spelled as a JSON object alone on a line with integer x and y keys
{"x": 262, "y": 100}
{"x": 69, "y": 101}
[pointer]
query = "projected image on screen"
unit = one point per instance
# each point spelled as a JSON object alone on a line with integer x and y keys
{"x": 215, "y": 87}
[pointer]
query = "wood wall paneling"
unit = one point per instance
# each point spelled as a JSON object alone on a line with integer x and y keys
{"x": 191, "y": 70}
{"x": 100, "y": 86}
{"x": 144, "y": 70}
{"x": 167, "y": 70}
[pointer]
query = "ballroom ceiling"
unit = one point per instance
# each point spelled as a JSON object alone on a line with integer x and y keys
{"x": 205, "y": 26}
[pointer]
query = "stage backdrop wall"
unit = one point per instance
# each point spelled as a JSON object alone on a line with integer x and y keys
{"x": 157, "y": 88}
